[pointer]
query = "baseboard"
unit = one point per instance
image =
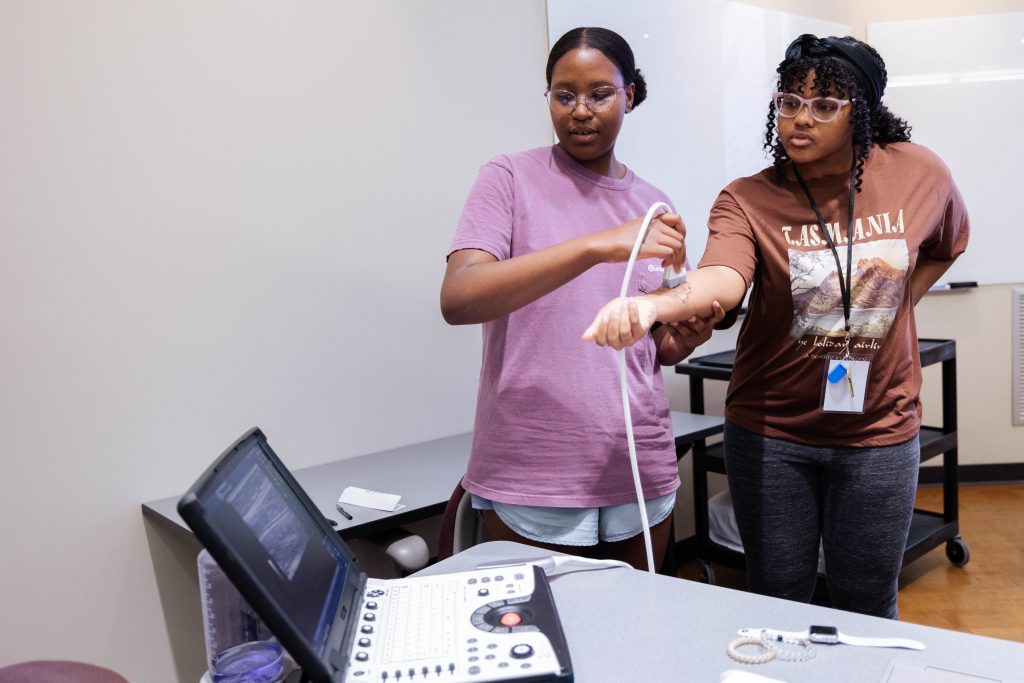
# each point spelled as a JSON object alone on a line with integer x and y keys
{"x": 1003, "y": 473}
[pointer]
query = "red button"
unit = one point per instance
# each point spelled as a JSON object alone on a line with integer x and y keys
{"x": 511, "y": 619}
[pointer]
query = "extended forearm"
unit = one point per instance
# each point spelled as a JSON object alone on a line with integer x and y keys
{"x": 697, "y": 295}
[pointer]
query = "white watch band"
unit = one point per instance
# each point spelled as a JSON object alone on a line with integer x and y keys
{"x": 881, "y": 642}
{"x": 843, "y": 638}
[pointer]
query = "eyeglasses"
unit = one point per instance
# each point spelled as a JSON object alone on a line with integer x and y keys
{"x": 564, "y": 102}
{"x": 823, "y": 109}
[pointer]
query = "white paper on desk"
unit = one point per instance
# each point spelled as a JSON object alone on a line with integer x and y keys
{"x": 353, "y": 495}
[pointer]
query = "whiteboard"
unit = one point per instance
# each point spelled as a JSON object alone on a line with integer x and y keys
{"x": 959, "y": 82}
{"x": 710, "y": 69}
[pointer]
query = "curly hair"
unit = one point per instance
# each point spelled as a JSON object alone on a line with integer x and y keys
{"x": 834, "y": 76}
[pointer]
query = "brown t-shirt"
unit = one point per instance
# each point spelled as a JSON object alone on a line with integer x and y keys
{"x": 767, "y": 232}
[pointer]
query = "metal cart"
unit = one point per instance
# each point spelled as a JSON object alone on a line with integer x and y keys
{"x": 927, "y": 529}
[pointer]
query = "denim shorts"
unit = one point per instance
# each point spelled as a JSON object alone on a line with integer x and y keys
{"x": 578, "y": 526}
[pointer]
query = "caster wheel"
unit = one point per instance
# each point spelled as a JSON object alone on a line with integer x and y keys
{"x": 957, "y": 551}
{"x": 707, "y": 573}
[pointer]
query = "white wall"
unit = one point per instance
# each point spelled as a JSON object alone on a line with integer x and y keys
{"x": 867, "y": 11}
{"x": 214, "y": 215}
{"x": 980, "y": 322}
{"x": 860, "y": 13}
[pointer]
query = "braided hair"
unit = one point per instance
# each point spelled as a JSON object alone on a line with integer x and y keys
{"x": 611, "y": 45}
{"x": 846, "y": 68}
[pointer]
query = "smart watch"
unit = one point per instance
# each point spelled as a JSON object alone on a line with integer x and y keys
{"x": 830, "y": 635}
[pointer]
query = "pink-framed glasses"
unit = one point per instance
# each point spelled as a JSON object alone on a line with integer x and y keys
{"x": 823, "y": 109}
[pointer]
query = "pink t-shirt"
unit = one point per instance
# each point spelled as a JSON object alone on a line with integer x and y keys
{"x": 549, "y": 423}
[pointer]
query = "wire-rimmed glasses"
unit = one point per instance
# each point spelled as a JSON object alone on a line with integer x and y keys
{"x": 600, "y": 100}
{"x": 823, "y": 109}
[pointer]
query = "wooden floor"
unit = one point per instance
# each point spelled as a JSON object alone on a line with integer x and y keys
{"x": 986, "y": 596}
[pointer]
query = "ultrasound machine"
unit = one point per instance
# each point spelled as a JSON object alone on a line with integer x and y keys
{"x": 489, "y": 624}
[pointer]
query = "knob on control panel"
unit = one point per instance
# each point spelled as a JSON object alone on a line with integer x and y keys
{"x": 521, "y": 651}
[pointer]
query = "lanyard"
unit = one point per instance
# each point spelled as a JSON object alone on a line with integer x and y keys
{"x": 845, "y": 284}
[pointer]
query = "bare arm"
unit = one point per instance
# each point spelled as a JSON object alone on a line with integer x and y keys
{"x": 622, "y": 322}
{"x": 926, "y": 273}
{"x": 478, "y": 287}
{"x": 676, "y": 341}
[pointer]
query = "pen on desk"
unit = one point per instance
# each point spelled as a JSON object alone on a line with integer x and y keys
{"x": 343, "y": 511}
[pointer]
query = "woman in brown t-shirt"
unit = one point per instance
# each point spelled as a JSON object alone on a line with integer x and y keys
{"x": 838, "y": 239}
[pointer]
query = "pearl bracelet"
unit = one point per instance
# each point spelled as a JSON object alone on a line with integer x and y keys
{"x": 766, "y": 654}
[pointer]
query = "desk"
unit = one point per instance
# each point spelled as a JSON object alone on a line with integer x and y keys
{"x": 658, "y": 628}
{"x": 424, "y": 474}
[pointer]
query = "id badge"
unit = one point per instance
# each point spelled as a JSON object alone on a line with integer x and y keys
{"x": 846, "y": 382}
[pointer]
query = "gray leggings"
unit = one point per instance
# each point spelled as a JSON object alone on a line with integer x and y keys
{"x": 857, "y": 502}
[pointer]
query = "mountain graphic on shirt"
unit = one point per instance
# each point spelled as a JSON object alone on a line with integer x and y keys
{"x": 877, "y": 290}
{"x": 876, "y": 284}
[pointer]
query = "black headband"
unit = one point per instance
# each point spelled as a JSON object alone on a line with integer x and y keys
{"x": 851, "y": 51}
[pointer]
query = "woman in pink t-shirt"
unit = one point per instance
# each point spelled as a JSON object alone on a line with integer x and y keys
{"x": 539, "y": 245}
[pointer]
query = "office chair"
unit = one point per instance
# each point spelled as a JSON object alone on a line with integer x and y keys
{"x": 58, "y": 672}
{"x": 407, "y": 551}
{"x": 461, "y": 526}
